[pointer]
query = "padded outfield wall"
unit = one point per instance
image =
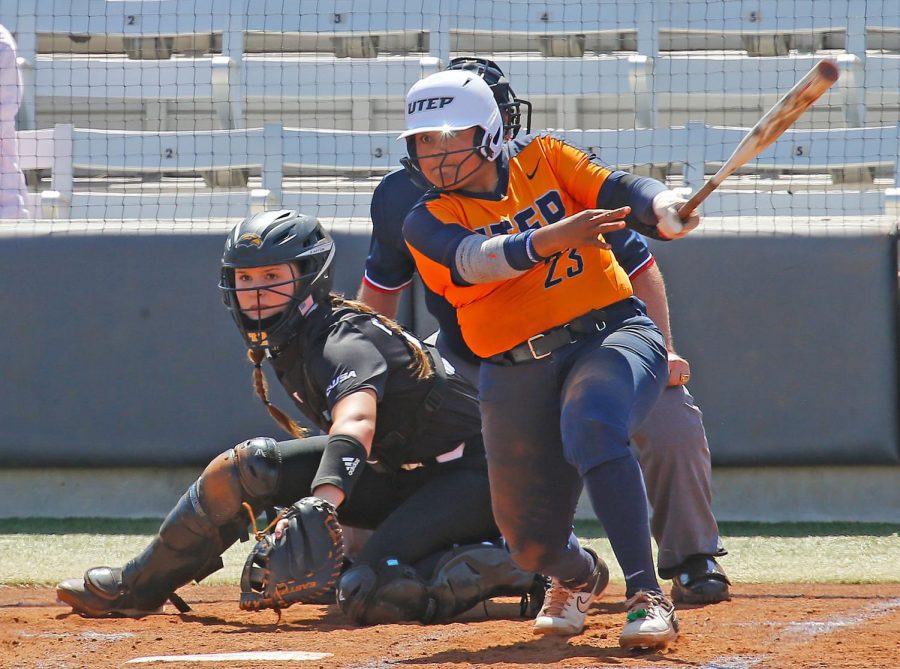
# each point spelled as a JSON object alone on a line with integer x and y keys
{"x": 119, "y": 351}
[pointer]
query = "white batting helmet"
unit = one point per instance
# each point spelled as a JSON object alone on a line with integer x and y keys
{"x": 455, "y": 100}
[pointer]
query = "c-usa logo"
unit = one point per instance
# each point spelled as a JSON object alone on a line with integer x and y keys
{"x": 340, "y": 378}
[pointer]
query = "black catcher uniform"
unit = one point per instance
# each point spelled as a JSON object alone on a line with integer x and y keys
{"x": 422, "y": 488}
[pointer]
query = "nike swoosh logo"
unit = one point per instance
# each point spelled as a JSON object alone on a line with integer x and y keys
{"x": 534, "y": 171}
{"x": 587, "y": 604}
{"x": 631, "y": 576}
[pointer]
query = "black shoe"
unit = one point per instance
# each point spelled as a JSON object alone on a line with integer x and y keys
{"x": 101, "y": 593}
{"x": 700, "y": 580}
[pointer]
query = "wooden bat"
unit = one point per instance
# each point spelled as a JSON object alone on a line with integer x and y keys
{"x": 770, "y": 127}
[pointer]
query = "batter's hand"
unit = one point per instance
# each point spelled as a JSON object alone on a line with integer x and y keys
{"x": 582, "y": 229}
{"x": 668, "y": 222}
{"x": 679, "y": 370}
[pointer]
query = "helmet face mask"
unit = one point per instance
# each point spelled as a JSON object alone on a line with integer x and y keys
{"x": 259, "y": 296}
{"x": 471, "y": 162}
{"x": 280, "y": 237}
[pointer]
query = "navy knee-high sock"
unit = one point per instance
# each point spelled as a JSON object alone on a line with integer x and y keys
{"x": 617, "y": 493}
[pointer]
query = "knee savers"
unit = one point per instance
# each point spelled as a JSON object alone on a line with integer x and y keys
{"x": 393, "y": 592}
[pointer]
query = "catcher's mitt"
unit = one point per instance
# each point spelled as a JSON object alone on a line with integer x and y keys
{"x": 302, "y": 566}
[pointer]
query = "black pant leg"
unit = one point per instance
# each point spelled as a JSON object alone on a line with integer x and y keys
{"x": 450, "y": 505}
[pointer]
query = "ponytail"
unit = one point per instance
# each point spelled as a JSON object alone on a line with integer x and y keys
{"x": 262, "y": 391}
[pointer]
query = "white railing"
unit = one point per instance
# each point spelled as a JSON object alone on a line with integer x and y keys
{"x": 227, "y": 158}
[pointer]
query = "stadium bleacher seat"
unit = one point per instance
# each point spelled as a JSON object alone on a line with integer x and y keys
{"x": 259, "y": 60}
{"x": 567, "y": 28}
{"x": 342, "y": 27}
{"x": 767, "y": 27}
{"x": 326, "y": 92}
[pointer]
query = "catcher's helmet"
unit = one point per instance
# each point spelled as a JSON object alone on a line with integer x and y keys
{"x": 273, "y": 238}
{"x": 510, "y": 105}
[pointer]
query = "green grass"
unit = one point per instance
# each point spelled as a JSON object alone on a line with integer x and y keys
{"x": 795, "y": 552}
{"x": 58, "y": 526}
{"x": 44, "y": 551}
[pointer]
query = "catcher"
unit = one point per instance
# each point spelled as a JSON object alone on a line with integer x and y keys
{"x": 403, "y": 455}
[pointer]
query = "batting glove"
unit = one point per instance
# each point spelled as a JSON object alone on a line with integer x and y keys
{"x": 668, "y": 222}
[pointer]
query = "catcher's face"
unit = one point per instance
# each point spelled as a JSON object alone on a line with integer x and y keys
{"x": 263, "y": 292}
{"x": 450, "y": 161}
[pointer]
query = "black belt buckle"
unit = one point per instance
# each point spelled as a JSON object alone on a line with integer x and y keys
{"x": 554, "y": 341}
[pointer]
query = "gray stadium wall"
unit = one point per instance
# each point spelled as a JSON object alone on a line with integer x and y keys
{"x": 793, "y": 343}
{"x": 119, "y": 351}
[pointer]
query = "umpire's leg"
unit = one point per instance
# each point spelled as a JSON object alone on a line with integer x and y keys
{"x": 674, "y": 455}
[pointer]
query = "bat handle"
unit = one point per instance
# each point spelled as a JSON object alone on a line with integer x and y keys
{"x": 688, "y": 207}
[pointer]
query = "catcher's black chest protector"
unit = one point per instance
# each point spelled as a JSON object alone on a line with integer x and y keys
{"x": 342, "y": 351}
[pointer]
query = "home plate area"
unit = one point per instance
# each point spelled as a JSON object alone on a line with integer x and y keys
{"x": 771, "y": 626}
{"x": 253, "y": 656}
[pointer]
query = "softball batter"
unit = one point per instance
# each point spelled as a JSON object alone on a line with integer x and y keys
{"x": 671, "y": 443}
{"x": 511, "y": 236}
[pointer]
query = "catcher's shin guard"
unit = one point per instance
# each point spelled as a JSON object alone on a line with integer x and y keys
{"x": 187, "y": 547}
{"x": 187, "y": 542}
{"x": 391, "y": 592}
{"x": 474, "y": 573}
{"x": 387, "y": 592}
{"x": 204, "y": 522}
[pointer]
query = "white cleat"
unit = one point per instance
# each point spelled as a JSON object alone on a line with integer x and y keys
{"x": 651, "y": 623}
{"x": 564, "y": 610}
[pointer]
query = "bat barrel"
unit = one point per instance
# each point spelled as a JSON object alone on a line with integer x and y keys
{"x": 770, "y": 127}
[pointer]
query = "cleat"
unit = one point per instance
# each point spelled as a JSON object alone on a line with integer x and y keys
{"x": 99, "y": 594}
{"x": 565, "y": 610}
{"x": 651, "y": 622}
{"x": 700, "y": 580}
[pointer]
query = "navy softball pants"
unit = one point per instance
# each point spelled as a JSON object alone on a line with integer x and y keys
{"x": 548, "y": 422}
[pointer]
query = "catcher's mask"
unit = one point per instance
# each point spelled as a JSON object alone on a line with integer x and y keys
{"x": 510, "y": 105}
{"x": 275, "y": 238}
{"x": 449, "y": 102}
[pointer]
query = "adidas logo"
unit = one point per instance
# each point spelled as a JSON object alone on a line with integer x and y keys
{"x": 350, "y": 464}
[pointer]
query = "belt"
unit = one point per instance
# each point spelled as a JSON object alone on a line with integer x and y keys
{"x": 543, "y": 344}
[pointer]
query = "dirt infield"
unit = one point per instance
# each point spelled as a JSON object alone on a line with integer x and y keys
{"x": 763, "y": 627}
